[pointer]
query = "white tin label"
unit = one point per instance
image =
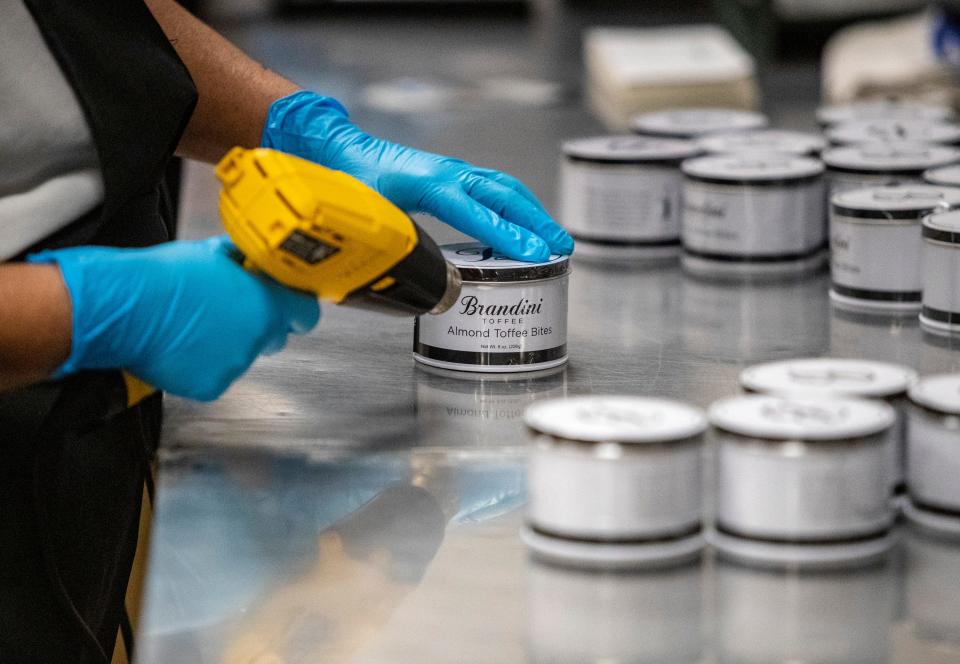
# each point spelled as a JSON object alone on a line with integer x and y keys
{"x": 941, "y": 277}
{"x": 622, "y": 202}
{"x": 499, "y": 325}
{"x": 753, "y": 220}
{"x": 876, "y": 256}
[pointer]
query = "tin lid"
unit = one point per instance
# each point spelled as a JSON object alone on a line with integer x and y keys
{"x": 615, "y": 419}
{"x": 478, "y": 262}
{"x": 886, "y": 130}
{"x": 763, "y": 140}
{"x": 692, "y": 122}
{"x": 819, "y": 376}
{"x": 947, "y": 176}
{"x": 910, "y": 201}
{"x": 942, "y": 227}
{"x": 796, "y": 418}
{"x": 752, "y": 168}
{"x": 940, "y": 392}
{"x": 896, "y": 157}
{"x": 872, "y": 110}
{"x": 629, "y": 149}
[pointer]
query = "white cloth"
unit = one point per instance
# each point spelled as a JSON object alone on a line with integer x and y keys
{"x": 49, "y": 171}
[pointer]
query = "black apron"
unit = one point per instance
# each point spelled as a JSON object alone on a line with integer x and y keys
{"x": 74, "y": 455}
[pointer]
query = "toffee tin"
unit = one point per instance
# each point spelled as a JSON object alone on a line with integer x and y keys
{"x": 511, "y": 316}
{"x": 615, "y": 481}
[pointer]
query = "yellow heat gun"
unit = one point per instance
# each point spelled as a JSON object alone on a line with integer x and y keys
{"x": 324, "y": 232}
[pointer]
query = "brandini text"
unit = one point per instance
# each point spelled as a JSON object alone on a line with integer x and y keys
{"x": 471, "y": 306}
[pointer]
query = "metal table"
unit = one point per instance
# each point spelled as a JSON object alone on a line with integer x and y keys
{"x": 341, "y": 504}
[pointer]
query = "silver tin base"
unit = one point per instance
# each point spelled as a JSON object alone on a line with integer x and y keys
{"x": 705, "y": 267}
{"x": 942, "y": 524}
{"x": 490, "y": 368}
{"x": 800, "y": 556}
{"x": 855, "y": 304}
{"x": 938, "y": 328}
{"x": 592, "y": 555}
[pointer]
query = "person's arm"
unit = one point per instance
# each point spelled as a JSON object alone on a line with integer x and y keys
{"x": 235, "y": 91}
{"x": 35, "y": 329}
{"x": 243, "y": 103}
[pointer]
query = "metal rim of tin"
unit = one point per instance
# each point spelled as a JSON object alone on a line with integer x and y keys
{"x": 778, "y": 141}
{"x": 943, "y": 176}
{"x": 534, "y": 272}
{"x": 709, "y": 264}
{"x": 690, "y": 431}
{"x": 845, "y": 133}
{"x": 847, "y": 205}
{"x": 716, "y": 170}
{"x": 932, "y": 521}
{"x": 831, "y": 114}
{"x": 613, "y": 556}
{"x": 866, "y": 301}
{"x": 935, "y": 230}
{"x": 825, "y": 555}
{"x": 752, "y": 378}
{"x": 879, "y": 158}
{"x": 658, "y": 123}
{"x": 742, "y": 424}
{"x": 932, "y": 403}
{"x": 665, "y": 152}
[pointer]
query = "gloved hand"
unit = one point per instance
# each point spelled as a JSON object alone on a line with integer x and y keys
{"x": 182, "y": 316}
{"x": 493, "y": 207}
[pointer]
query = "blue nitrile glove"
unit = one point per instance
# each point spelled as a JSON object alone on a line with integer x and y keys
{"x": 491, "y": 206}
{"x": 182, "y": 316}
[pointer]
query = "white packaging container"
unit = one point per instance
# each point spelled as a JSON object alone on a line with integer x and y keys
{"x": 940, "y": 313}
{"x": 766, "y": 616}
{"x": 753, "y": 214}
{"x": 946, "y": 176}
{"x": 827, "y": 377}
{"x": 620, "y": 195}
{"x": 694, "y": 122}
{"x": 615, "y": 481}
{"x": 876, "y": 245}
{"x": 802, "y": 482}
{"x": 577, "y": 616}
{"x": 933, "y": 454}
{"x": 883, "y": 110}
{"x": 880, "y": 164}
{"x": 887, "y": 130}
{"x": 511, "y": 315}
{"x": 781, "y": 141}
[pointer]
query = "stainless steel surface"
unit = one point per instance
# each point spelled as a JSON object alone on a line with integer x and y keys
{"x": 340, "y": 504}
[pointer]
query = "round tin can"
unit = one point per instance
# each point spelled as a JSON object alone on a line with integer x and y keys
{"x": 753, "y": 214}
{"x": 780, "y": 141}
{"x": 940, "y": 313}
{"x": 868, "y": 228}
{"x": 933, "y": 454}
{"x": 694, "y": 122}
{"x": 946, "y": 176}
{"x": 887, "y": 130}
{"x": 620, "y": 195}
{"x": 825, "y": 377}
{"x": 878, "y": 164}
{"x": 511, "y": 315}
{"x": 802, "y": 482}
{"x": 883, "y": 110}
{"x": 575, "y": 616}
{"x": 615, "y": 481}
